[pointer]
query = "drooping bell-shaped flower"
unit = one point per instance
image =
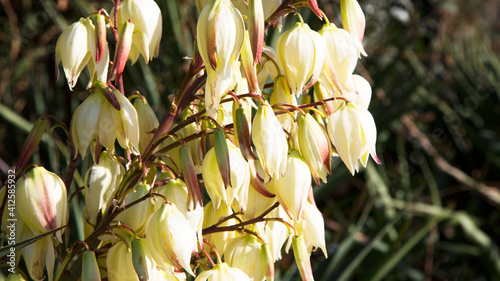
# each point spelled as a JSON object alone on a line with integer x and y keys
{"x": 312, "y": 228}
{"x": 211, "y": 217}
{"x": 147, "y": 122}
{"x": 275, "y": 233}
{"x": 102, "y": 185}
{"x": 301, "y": 54}
{"x": 353, "y": 20}
{"x": 42, "y": 201}
{"x": 239, "y": 176}
{"x": 39, "y": 256}
{"x": 147, "y": 19}
{"x": 170, "y": 238}
{"x": 220, "y": 30}
{"x": 293, "y": 188}
{"x": 341, "y": 59}
{"x": 136, "y": 216}
{"x": 222, "y": 271}
{"x": 76, "y": 48}
{"x": 136, "y": 263}
{"x": 359, "y": 96}
{"x": 245, "y": 252}
{"x": 270, "y": 141}
{"x": 282, "y": 94}
{"x": 177, "y": 193}
{"x": 97, "y": 118}
{"x": 314, "y": 146}
{"x": 353, "y": 132}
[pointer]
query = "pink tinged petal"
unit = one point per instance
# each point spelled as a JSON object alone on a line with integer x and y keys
{"x": 100, "y": 37}
{"x": 256, "y": 28}
{"x": 256, "y": 182}
{"x": 122, "y": 50}
{"x": 353, "y": 20}
{"x": 32, "y": 142}
{"x": 313, "y": 4}
{"x": 247, "y": 61}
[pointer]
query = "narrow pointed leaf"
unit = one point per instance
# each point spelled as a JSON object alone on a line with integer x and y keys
{"x": 6, "y": 249}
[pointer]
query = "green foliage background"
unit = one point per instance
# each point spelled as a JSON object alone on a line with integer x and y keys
{"x": 429, "y": 212}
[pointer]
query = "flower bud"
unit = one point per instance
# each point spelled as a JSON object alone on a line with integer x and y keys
{"x": 301, "y": 55}
{"x": 148, "y": 122}
{"x": 73, "y": 49}
{"x": 353, "y": 21}
{"x": 32, "y": 142}
{"x": 248, "y": 63}
{"x": 122, "y": 51}
{"x": 42, "y": 201}
{"x": 100, "y": 37}
{"x": 220, "y": 30}
{"x": 136, "y": 216}
{"x": 293, "y": 188}
{"x": 102, "y": 185}
{"x": 302, "y": 258}
{"x": 314, "y": 146}
{"x": 353, "y": 132}
{"x": 90, "y": 268}
{"x": 147, "y": 19}
{"x": 270, "y": 141}
{"x": 341, "y": 59}
{"x": 256, "y": 29}
{"x": 239, "y": 176}
{"x": 171, "y": 239}
{"x": 96, "y": 118}
{"x": 245, "y": 252}
{"x": 222, "y": 271}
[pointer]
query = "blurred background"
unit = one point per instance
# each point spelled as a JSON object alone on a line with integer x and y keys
{"x": 430, "y": 211}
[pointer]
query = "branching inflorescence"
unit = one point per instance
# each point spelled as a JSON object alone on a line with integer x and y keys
{"x": 254, "y": 155}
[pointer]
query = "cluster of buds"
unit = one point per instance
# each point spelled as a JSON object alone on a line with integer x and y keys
{"x": 146, "y": 210}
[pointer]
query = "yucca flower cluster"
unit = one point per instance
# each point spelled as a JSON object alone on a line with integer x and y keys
{"x": 222, "y": 185}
